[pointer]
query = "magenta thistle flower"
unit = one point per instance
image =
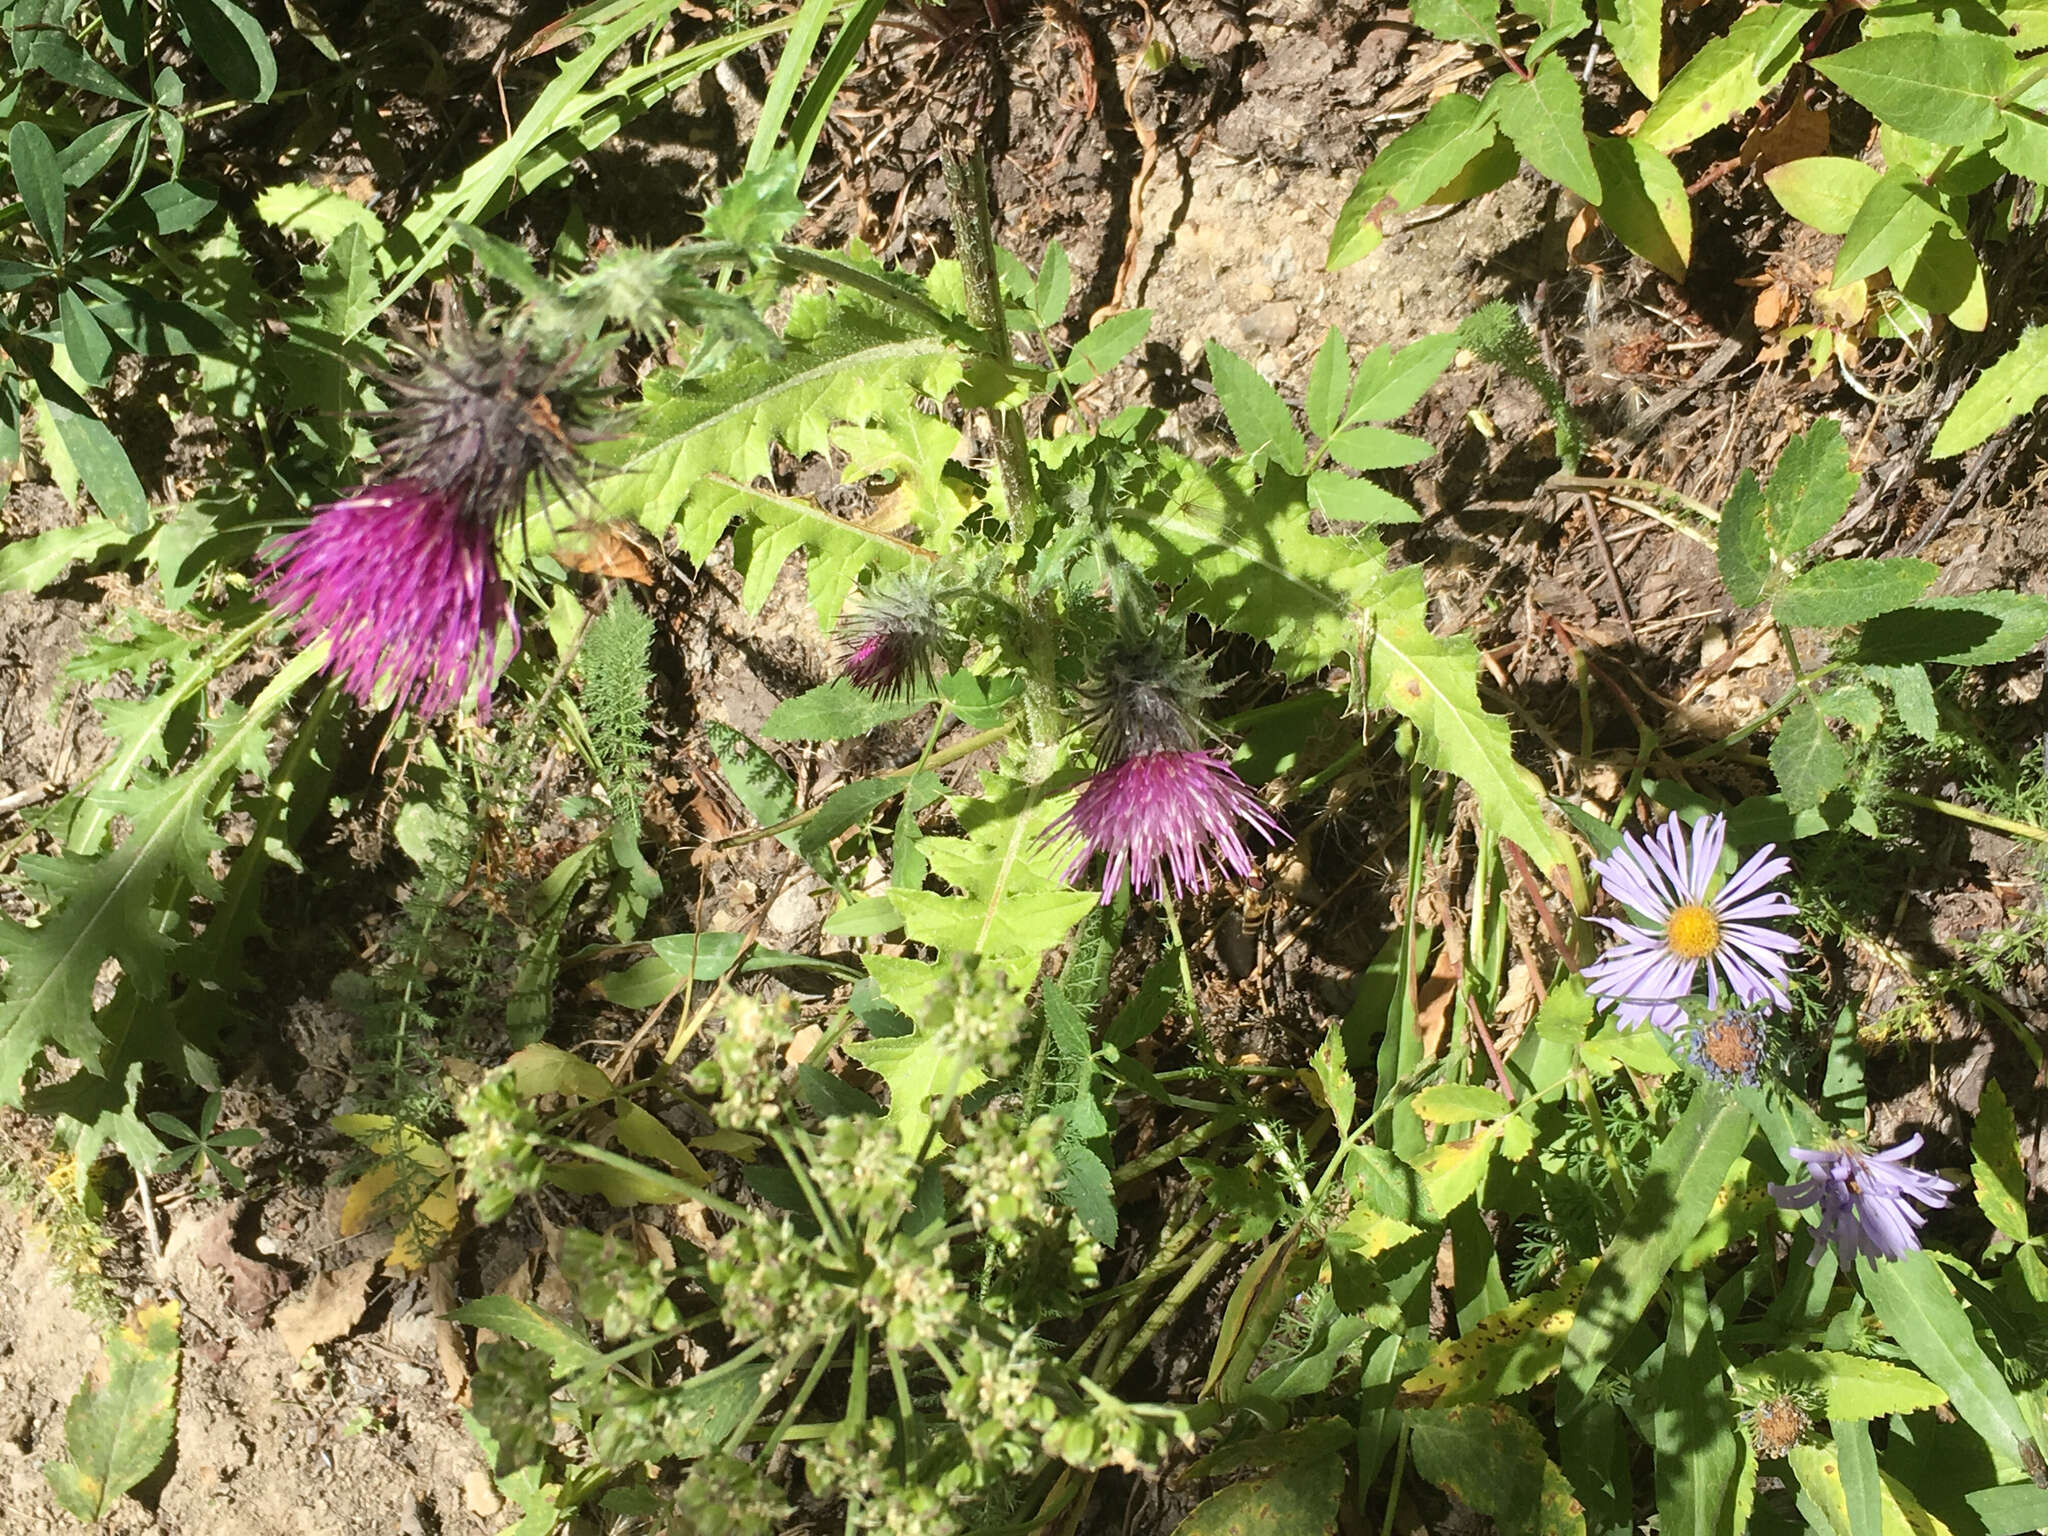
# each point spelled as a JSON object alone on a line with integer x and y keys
{"x": 1680, "y": 923}
{"x": 402, "y": 577}
{"x": 1866, "y": 1200}
{"x": 407, "y": 590}
{"x": 1165, "y": 821}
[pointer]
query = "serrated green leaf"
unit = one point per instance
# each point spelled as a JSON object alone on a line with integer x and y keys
{"x": 836, "y": 711}
{"x": 1643, "y": 201}
{"x": 851, "y": 804}
{"x": 1939, "y": 86}
{"x": 1329, "y": 384}
{"x": 116, "y": 1434}
{"x": 1333, "y": 1076}
{"x": 1744, "y": 543}
{"x": 27, "y": 565}
{"x": 1450, "y": 1103}
{"x": 1809, "y": 489}
{"x": 1085, "y": 1189}
{"x": 1491, "y": 1457}
{"x": 1464, "y": 21}
{"x": 1392, "y": 383}
{"x": 1107, "y": 345}
{"x": 318, "y": 213}
{"x": 2008, "y": 389}
{"x": 1912, "y": 697}
{"x": 2000, "y": 1176}
{"x": 1259, "y": 419}
{"x": 1370, "y": 448}
{"x": 1975, "y": 631}
{"x": 1295, "y": 1501}
{"x": 1408, "y": 172}
{"x": 1897, "y": 216}
{"x": 1825, "y": 191}
{"x": 1634, "y": 29}
{"x": 1544, "y": 116}
{"x": 1849, "y": 1386}
{"x": 1344, "y": 498}
{"x": 763, "y": 785}
{"x": 1673, "y": 1201}
{"x": 1838, "y": 593}
{"x": 1009, "y": 899}
{"x": 1508, "y": 1352}
{"x": 1730, "y": 74}
{"x": 1558, "y": 20}
{"x": 1807, "y": 759}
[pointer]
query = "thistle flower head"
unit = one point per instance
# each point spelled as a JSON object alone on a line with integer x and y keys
{"x": 1145, "y": 697}
{"x": 900, "y": 637}
{"x": 1682, "y": 923}
{"x": 1866, "y": 1199}
{"x": 485, "y": 418}
{"x": 406, "y": 589}
{"x": 1166, "y": 821}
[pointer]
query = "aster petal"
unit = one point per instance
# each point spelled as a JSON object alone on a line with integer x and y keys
{"x": 1709, "y": 837}
{"x": 1630, "y": 883}
{"x": 1757, "y": 871}
{"x": 1899, "y": 1153}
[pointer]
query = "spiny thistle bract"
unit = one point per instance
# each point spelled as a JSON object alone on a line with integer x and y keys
{"x": 1866, "y": 1199}
{"x": 1680, "y": 924}
{"x": 900, "y": 637}
{"x": 403, "y": 576}
{"x": 1146, "y": 697}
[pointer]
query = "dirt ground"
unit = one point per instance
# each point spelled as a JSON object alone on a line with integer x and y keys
{"x": 1206, "y": 194}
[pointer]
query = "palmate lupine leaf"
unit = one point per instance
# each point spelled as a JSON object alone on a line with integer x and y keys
{"x": 1244, "y": 557}
{"x": 848, "y": 378}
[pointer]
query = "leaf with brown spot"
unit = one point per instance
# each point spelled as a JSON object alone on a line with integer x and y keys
{"x": 1295, "y": 1501}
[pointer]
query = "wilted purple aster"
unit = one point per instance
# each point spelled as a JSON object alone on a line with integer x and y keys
{"x": 1656, "y": 958}
{"x": 1164, "y": 820}
{"x": 1866, "y": 1200}
{"x": 407, "y": 591}
{"x": 402, "y": 577}
{"x": 1728, "y": 1045}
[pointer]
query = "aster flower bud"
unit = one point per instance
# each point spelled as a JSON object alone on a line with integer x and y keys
{"x": 403, "y": 576}
{"x": 900, "y": 637}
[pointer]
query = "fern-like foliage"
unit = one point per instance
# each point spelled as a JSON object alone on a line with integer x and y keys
{"x": 1497, "y": 334}
{"x": 851, "y": 378}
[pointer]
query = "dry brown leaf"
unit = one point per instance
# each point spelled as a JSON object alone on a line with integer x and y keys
{"x": 328, "y": 1308}
{"x": 1433, "y": 1002}
{"x": 1800, "y": 134}
{"x": 603, "y": 552}
{"x": 253, "y": 1286}
{"x": 801, "y": 1044}
{"x": 447, "y": 1341}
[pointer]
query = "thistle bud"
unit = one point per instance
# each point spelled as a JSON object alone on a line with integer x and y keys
{"x": 900, "y": 637}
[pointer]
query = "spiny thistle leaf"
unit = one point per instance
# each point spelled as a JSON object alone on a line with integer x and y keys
{"x": 847, "y": 372}
{"x": 1245, "y": 557}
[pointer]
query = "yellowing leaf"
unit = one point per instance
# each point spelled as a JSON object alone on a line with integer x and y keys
{"x": 1509, "y": 1352}
{"x": 1852, "y": 1386}
{"x": 412, "y": 1187}
{"x": 116, "y": 1433}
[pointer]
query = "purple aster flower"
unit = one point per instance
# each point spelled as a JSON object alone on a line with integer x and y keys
{"x": 406, "y": 589}
{"x": 1866, "y": 1200}
{"x": 1165, "y": 820}
{"x": 1680, "y": 923}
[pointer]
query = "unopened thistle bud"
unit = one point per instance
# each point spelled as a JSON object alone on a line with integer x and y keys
{"x": 900, "y": 637}
{"x": 403, "y": 576}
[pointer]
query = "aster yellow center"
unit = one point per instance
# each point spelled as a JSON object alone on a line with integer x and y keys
{"x": 1692, "y": 932}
